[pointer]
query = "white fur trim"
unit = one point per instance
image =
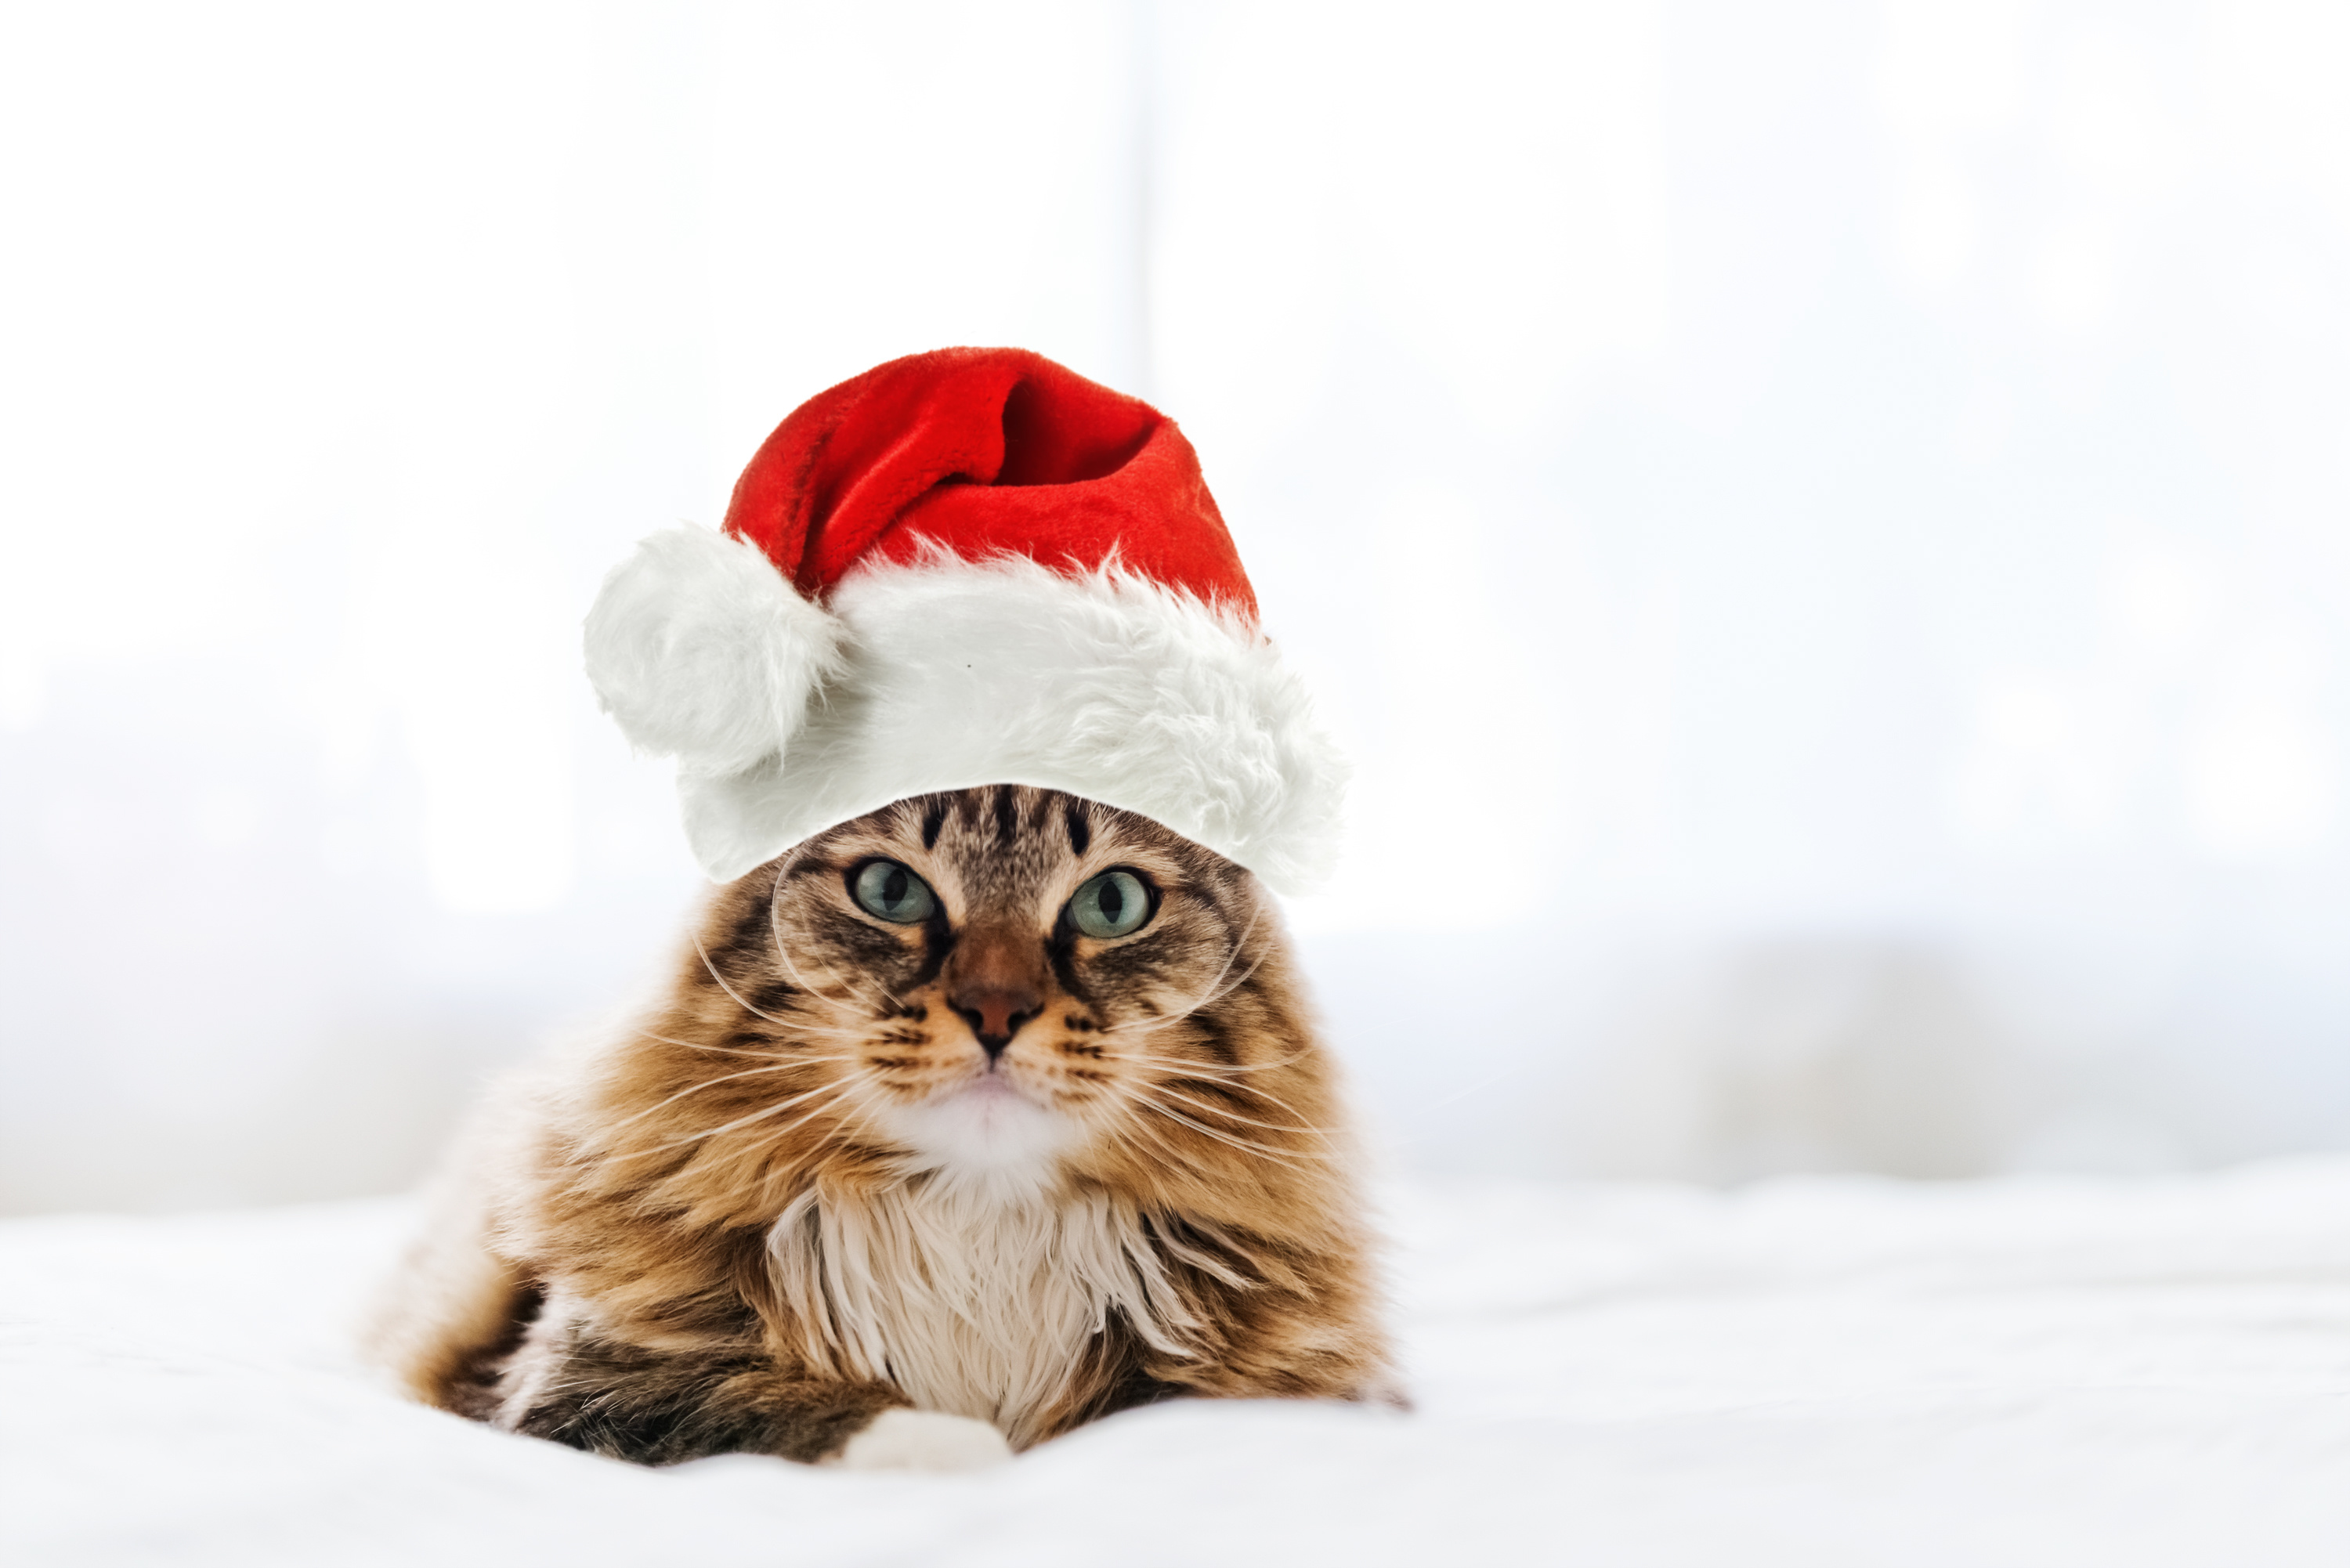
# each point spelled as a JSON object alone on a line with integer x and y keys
{"x": 957, "y": 674}
{"x": 703, "y": 652}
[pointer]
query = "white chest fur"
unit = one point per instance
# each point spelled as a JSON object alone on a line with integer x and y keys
{"x": 974, "y": 1300}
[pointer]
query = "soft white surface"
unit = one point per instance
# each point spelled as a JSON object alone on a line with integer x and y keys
{"x": 1812, "y": 1372}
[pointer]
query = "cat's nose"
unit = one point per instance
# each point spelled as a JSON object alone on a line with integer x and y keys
{"x": 995, "y": 984}
{"x": 996, "y": 1016}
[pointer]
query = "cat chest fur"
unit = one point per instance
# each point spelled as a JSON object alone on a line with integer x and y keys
{"x": 974, "y": 1300}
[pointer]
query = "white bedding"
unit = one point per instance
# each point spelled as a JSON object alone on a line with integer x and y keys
{"x": 1813, "y": 1373}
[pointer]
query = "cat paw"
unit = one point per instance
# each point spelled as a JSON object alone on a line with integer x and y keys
{"x": 922, "y": 1440}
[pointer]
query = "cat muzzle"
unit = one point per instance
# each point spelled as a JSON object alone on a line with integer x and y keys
{"x": 995, "y": 983}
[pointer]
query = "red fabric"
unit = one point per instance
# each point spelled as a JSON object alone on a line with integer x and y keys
{"x": 985, "y": 451}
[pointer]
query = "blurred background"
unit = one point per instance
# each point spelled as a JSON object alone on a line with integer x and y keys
{"x": 1833, "y": 516}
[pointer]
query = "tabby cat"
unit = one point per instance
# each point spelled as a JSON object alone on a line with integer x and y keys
{"x": 960, "y": 1125}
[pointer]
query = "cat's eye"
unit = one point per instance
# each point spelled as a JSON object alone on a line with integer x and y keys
{"x": 888, "y": 889}
{"x": 1112, "y": 905}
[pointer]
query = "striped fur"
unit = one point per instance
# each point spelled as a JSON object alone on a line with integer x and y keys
{"x": 798, "y": 1193}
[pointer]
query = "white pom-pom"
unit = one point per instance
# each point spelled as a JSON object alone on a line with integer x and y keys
{"x": 701, "y": 650}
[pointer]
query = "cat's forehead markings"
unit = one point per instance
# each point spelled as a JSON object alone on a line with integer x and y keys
{"x": 1007, "y": 816}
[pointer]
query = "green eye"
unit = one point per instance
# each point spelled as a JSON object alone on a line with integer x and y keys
{"x": 1111, "y": 904}
{"x": 888, "y": 889}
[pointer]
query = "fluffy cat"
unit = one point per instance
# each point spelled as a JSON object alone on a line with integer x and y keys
{"x": 960, "y": 1125}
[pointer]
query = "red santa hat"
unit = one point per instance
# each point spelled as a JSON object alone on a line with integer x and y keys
{"x": 966, "y": 567}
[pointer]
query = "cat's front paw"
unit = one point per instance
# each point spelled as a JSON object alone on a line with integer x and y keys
{"x": 922, "y": 1440}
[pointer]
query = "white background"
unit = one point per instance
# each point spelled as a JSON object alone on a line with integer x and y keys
{"x": 1826, "y": 526}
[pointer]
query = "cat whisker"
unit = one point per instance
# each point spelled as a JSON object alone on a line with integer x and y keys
{"x": 860, "y": 1035}
{"x": 1124, "y": 1135}
{"x": 1218, "y": 1075}
{"x": 1256, "y": 913}
{"x": 728, "y": 1078}
{"x": 849, "y": 1092}
{"x": 1279, "y": 1157}
{"x": 1169, "y": 1151}
{"x": 1163, "y": 1096}
{"x": 729, "y": 990}
{"x": 698, "y": 1045}
{"x": 1192, "y": 1069}
{"x": 777, "y": 1057}
{"x": 697, "y": 1088}
{"x": 1216, "y": 990}
{"x": 842, "y": 1092}
{"x": 1210, "y": 999}
{"x": 1207, "y": 1107}
{"x": 775, "y": 928}
{"x": 834, "y": 1032}
{"x": 758, "y": 1115}
{"x": 1210, "y": 995}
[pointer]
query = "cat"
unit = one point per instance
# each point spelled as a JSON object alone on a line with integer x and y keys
{"x": 960, "y": 1124}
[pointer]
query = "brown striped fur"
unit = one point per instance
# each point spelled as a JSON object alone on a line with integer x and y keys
{"x": 798, "y": 1192}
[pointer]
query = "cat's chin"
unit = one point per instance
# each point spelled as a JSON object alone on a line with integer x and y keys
{"x": 984, "y": 1125}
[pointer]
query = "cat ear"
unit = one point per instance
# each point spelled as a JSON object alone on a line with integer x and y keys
{"x": 701, "y": 650}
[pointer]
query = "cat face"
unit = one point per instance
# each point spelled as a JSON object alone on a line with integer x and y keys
{"x": 996, "y": 979}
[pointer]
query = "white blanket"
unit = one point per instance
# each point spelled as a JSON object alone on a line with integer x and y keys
{"x": 1813, "y": 1373}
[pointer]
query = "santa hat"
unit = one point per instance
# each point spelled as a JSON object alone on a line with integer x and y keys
{"x": 967, "y": 567}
